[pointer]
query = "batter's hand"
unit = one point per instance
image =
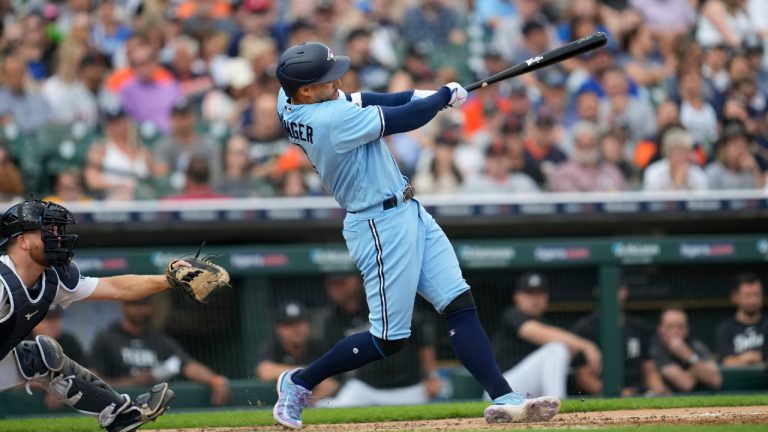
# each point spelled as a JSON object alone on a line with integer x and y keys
{"x": 458, "y": 94}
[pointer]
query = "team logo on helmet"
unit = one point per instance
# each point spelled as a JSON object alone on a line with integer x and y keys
{"x": 330, "y": 55}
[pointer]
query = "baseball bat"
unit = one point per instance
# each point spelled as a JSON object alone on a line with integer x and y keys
{"x": 571, "y": 49}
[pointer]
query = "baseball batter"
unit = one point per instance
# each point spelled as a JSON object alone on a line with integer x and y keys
{"x": 397, "y": 245}
{"x": 37, "y": 272}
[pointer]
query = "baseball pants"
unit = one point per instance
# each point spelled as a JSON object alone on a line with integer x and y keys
{"x": 357, "y": 393}
{"x": 542, "y": 372}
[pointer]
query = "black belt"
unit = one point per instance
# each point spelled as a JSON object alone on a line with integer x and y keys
{"x": 391, "y": 202}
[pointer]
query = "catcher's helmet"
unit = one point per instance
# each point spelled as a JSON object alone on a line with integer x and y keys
{"x": 51, "y": 219}
{"x": 309, "y": 63}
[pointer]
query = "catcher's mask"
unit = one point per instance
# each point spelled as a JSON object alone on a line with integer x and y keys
{"x": 51, "y": 219}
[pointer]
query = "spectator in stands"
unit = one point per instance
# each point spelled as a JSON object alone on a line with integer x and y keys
{"x": 668, "y": 20}
{"x": 536, "y": 355}
{"x": 735, "y": 166}
{"x": 520, "y": 161}
{"x": 622, "y": 110}
{"x": 640, "y": 64}
{"x": 508, "y": 34}
{"x": 372, "y": 75}
{"x": 174, "y": 152}
{"x": 544, "y": 140}
{"x": 68, "y": 98}
{"x": 586, "y": 170}
{"x": 724, "y": 22}
{"x": 108, "y": 33}
{"x": 408, "y": 378}
{"x": 441, "y": 175}
{"x": 586, "y": 107}
{"x": 264, "y": 129}
{"x": 741, "y": 340}
{"x": 613, "y": 148}
{"x": 640, "y": 373}
{"x": 51, "y": 326}
{"x": 290, "y": 346}
{"x": 431, "y": 23}
{"x": 197, "y": 183}
{"x": 11, "y": 184}
{"x": 647, "y": 150}
{"x": 20, "y": 104}
{"x": 131, "y": 353}
{"x": 675, "y": 171}
{"x": 192, "y": 76}
{"x": 535, "y": 41}
{"x": 696, "y": 114}
{"x": 119, "y": 166}
{"x": 497, "y": 177}
{"x": 226, "y": 104}
{"x": 68, "y": 187}
{"x": 237, "y": 179}
{"x": 149, "y": 95}
{"x": 684, "y": 363}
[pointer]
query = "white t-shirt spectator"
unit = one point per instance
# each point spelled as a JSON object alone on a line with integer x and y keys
{"x": 657, "y": 177}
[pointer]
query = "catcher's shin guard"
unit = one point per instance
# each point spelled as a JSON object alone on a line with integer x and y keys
{"x": 43, "y": 360}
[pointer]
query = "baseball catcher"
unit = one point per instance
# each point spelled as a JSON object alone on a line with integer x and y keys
{"x": 37, "y": 271}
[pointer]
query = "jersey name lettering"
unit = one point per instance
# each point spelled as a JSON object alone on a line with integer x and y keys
{"x": 297, "y": 131}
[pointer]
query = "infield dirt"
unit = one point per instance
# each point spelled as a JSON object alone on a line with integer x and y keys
{"x": 677, "y": 416}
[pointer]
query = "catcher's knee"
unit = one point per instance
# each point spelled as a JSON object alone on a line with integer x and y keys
{"x": 39, "y": 357}
{"x": 389, "y": 347}
{"x": 462, "y": 302}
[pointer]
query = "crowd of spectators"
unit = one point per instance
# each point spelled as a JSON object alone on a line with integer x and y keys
{"x": 114, "y": 99}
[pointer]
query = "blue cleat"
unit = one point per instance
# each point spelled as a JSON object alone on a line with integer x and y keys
{"x": 291, "y": 400}
{"x": 516, "y": 408}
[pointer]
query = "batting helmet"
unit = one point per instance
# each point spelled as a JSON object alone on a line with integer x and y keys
{"x": 51, "y": 219}
{"x": 309, "y": 63}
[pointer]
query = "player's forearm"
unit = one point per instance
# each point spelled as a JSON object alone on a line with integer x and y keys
{"x": 128, "y": 287}
{"x": 381, "y": 99}
{"x": 414, "y": 114}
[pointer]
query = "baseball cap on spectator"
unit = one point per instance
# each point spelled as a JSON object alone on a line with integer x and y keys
{"x": 491, "y": 52}
{"x": 512, "y": 125}
{"x": 291, "y": 312}
{"x": 554, "y": 78}
{"x": 545, "y": 118}
{"x": 182, "y": 106}
{"x": 257, "y": 6}
{"x": 301, "y": 24}
{"x": 734, "y": 129}
{"x": 114, "y": 113}
{"x": 531, "y": 282}
{"x": 533, "y": 25}
{"x": 517, "y": 89}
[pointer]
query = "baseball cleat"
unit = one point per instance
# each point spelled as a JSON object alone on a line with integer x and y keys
{"x": 516, "y": 408}
{"x": 291, "y": 400}
{"x": 144, "y": 409}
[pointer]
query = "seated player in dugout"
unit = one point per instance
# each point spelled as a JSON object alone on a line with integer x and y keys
{"x": 741, "y": 338}
{"x": 131, "y": 353}
{"x": 535, "y": 355}
{"x": 684, "y": 363}
{"x": 291, "y": 346}
{"x": 36, "y": 272}
{"x": 640, "y": 373}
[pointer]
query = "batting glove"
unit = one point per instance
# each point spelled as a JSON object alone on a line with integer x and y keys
{"x": 458, "y": 94}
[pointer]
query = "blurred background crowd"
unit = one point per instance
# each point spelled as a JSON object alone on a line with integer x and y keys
{"x": 176, "y": 99}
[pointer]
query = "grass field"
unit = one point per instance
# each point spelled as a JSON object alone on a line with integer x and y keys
{"x": 260, "y": 418}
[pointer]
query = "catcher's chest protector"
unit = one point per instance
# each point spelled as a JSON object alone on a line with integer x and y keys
{"x": 26, "y": 312}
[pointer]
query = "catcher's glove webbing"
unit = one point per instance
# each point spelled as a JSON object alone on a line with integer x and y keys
{"x": 198, "y": 279}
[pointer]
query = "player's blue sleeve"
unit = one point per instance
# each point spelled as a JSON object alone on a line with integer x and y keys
{"x": 414, "y": 114}
{"x": 381, "y": 99}
{"x": 353, "y": 126}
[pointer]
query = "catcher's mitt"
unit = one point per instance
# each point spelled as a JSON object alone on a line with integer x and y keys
{"x": 198, "y": 279}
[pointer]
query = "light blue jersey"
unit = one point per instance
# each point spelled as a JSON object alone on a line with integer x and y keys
{"x": 344, "y": 143}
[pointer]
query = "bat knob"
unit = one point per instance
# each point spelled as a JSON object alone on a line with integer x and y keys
{"x": 485, "y": 84}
